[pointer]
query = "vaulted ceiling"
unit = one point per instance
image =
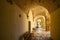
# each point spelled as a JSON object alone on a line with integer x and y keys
{"x": 50, "y": 5}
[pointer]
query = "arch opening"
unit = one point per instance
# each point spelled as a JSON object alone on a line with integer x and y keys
{"x": 40, "y": 21}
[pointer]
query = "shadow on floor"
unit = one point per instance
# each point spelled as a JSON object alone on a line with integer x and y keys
{"x": 25, "y": 36}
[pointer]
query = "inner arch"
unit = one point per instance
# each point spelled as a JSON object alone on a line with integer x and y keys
{"x": 39, "y": 13}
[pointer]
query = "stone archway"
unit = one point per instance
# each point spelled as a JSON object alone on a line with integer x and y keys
{"x": 37, "y": 12}
{"x": 42, "y": 18}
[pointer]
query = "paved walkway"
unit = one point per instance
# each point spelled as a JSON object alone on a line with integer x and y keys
{"x": 40, "y": 34}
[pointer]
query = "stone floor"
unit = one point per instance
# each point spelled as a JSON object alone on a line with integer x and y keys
{"x": 38, "y": 34}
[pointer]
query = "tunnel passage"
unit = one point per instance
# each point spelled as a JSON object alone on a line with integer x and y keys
{"x": 38, "y": 24}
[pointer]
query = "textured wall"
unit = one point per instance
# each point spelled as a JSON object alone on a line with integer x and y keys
{"x": 12, "y": 26}
{"x": 55, "y": 24}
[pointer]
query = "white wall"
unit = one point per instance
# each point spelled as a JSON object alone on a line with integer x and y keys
{"x": 55, "y": 24}
{"x": 11, "y": 25}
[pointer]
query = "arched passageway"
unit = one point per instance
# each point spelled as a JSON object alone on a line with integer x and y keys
{"x": 39, "y": 19}
{"x": 39, "y": 12}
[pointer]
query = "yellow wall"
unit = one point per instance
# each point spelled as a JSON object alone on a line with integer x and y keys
{"x": 55, "y": 24}
{"x": 11, "y": 25}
